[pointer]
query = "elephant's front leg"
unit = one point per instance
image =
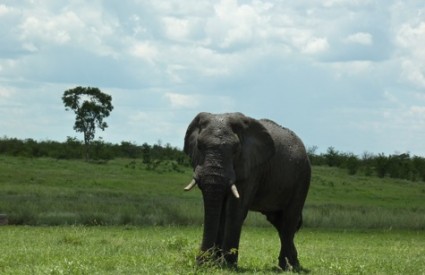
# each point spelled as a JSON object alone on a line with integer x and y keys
{"x": 235, "y": 216}
{"x": 220, "y": 237}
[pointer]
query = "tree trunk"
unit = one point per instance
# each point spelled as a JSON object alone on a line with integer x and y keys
{"x": 86, "y": 147}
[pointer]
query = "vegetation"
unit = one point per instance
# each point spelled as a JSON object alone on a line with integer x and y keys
{"x": 172, "y": 250}
{"x": 90, "y": 106}
{"x": 356, "y": 223}
{"x": 72, "y": 148}
{"x": 398, "y": 166}
{"x": 45, "y": 191}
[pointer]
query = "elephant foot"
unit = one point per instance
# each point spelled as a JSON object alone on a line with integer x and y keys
{"x": 289, "y": 264}
{"x": 217, "y": 257}
{"x": 231, "y": 258}
{"x": 208, "y": 257}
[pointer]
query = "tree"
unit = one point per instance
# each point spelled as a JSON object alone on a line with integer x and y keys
{"x": 381, "y": 165}
{"x": 333, "y": 157}
{"x": 90, "y": 106}
{"x": 352, "y": 163}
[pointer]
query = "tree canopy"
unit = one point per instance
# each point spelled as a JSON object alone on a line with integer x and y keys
{"x": 90, "y": 106}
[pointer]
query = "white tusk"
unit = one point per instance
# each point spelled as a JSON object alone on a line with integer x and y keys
{"x": 190, "y": 185}
{"x": 235, "y": 191}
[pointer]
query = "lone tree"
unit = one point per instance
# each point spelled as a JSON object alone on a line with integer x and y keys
{"x": 90, "y": 106}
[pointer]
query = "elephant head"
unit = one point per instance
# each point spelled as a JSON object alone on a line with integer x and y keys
{"x": 223, "y": 149}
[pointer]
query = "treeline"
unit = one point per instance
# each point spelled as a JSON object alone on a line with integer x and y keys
{"x": 400, "y": 166}
{"x": 73, "y": 148}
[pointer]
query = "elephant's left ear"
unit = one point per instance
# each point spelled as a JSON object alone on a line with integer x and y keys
{"x": 257, "y": 145}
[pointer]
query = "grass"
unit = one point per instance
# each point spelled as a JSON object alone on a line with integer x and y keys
{"x": 123, "y": 192}
{"x": 353, "y": 224}
{"x": 172, "y": 250}
{"x": 337, "y": 200}
{"x": 53, "y": 192}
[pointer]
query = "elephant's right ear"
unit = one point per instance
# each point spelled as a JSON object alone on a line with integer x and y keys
{"x": 192, "y": 133}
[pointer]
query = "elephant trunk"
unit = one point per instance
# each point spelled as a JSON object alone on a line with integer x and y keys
{"x": 213, "y": 197}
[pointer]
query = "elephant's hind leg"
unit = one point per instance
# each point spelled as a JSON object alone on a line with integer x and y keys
{"x": 288, "y": 257}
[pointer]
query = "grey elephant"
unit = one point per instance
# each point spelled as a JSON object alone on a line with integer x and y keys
{"x": 242, "y": 164}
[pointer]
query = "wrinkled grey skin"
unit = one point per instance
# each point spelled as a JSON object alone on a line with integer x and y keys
{"x": 269, "y": 166}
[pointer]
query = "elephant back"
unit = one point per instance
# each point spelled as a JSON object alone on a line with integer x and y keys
{"x": 287, "y": 143}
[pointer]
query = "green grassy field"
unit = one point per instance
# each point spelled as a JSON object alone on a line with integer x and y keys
{"x": 123, "y": 192}
{"x": 172, "y": 250}
{"x": 353, "y": 224}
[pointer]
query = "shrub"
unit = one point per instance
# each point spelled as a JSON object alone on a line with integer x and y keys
{"x": 352, "y": 163}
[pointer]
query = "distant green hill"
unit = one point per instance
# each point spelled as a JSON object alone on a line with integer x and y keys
{"x": 45, "y": 191}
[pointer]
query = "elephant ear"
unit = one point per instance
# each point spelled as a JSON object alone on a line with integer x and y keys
{"x": 257, "y": 145}
{"x": 191, "y": 137}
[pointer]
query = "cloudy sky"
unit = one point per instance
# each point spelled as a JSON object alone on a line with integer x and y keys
{"x": 343, "y": 73}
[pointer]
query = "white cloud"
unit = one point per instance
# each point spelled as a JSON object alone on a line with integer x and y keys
{"x": 213, "y": 103}
{"x": 315, "y": 45}
{"x": 410, "y": 37}
{"x": 418, "y": 111}
{"x": 175, "y": 72}
{"x": 177, "y": 28}
{"x": 182, "y": 100}
{"x": 78, "y": 26}
{"x": 4, "y": 10}
{"x": 362, "y": 38}
{"x": 44, "y": 27}
{"x": 419, "y": 96}
{"x": 391, "y": 97}
{"x": 351, "y": 68}
{"x": 5, "y": 93}
{"x": 182, "y": 8}
{"x": 139, "y": 118}
{"x": 345, "y": 3}
{"x": 185, "y": 62}
{"x": 413, "y": 71}
{"x": 232, "y": 25}
{"x": 409, "y": 122}
{"x": 144, "y": 50}
{"x": 152, "y": 126}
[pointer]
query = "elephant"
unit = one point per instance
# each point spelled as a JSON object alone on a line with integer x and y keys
{"x": 241, "y": 164}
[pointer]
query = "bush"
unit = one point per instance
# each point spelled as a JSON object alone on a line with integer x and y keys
{"x": 333, "y": 157}
{"x": 73, "y": 148}
{"x": 352, "y": 163}
{"x": 401, "y": 166}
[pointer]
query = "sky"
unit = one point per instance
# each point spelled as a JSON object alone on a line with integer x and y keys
{"x": 343, "y": 73}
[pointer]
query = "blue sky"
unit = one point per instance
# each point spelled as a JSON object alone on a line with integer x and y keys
{"x": 348, "y": 74}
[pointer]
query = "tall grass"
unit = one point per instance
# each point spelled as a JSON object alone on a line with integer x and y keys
{"x": 337, "y": 216}
{"x": 45, "y": 191}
